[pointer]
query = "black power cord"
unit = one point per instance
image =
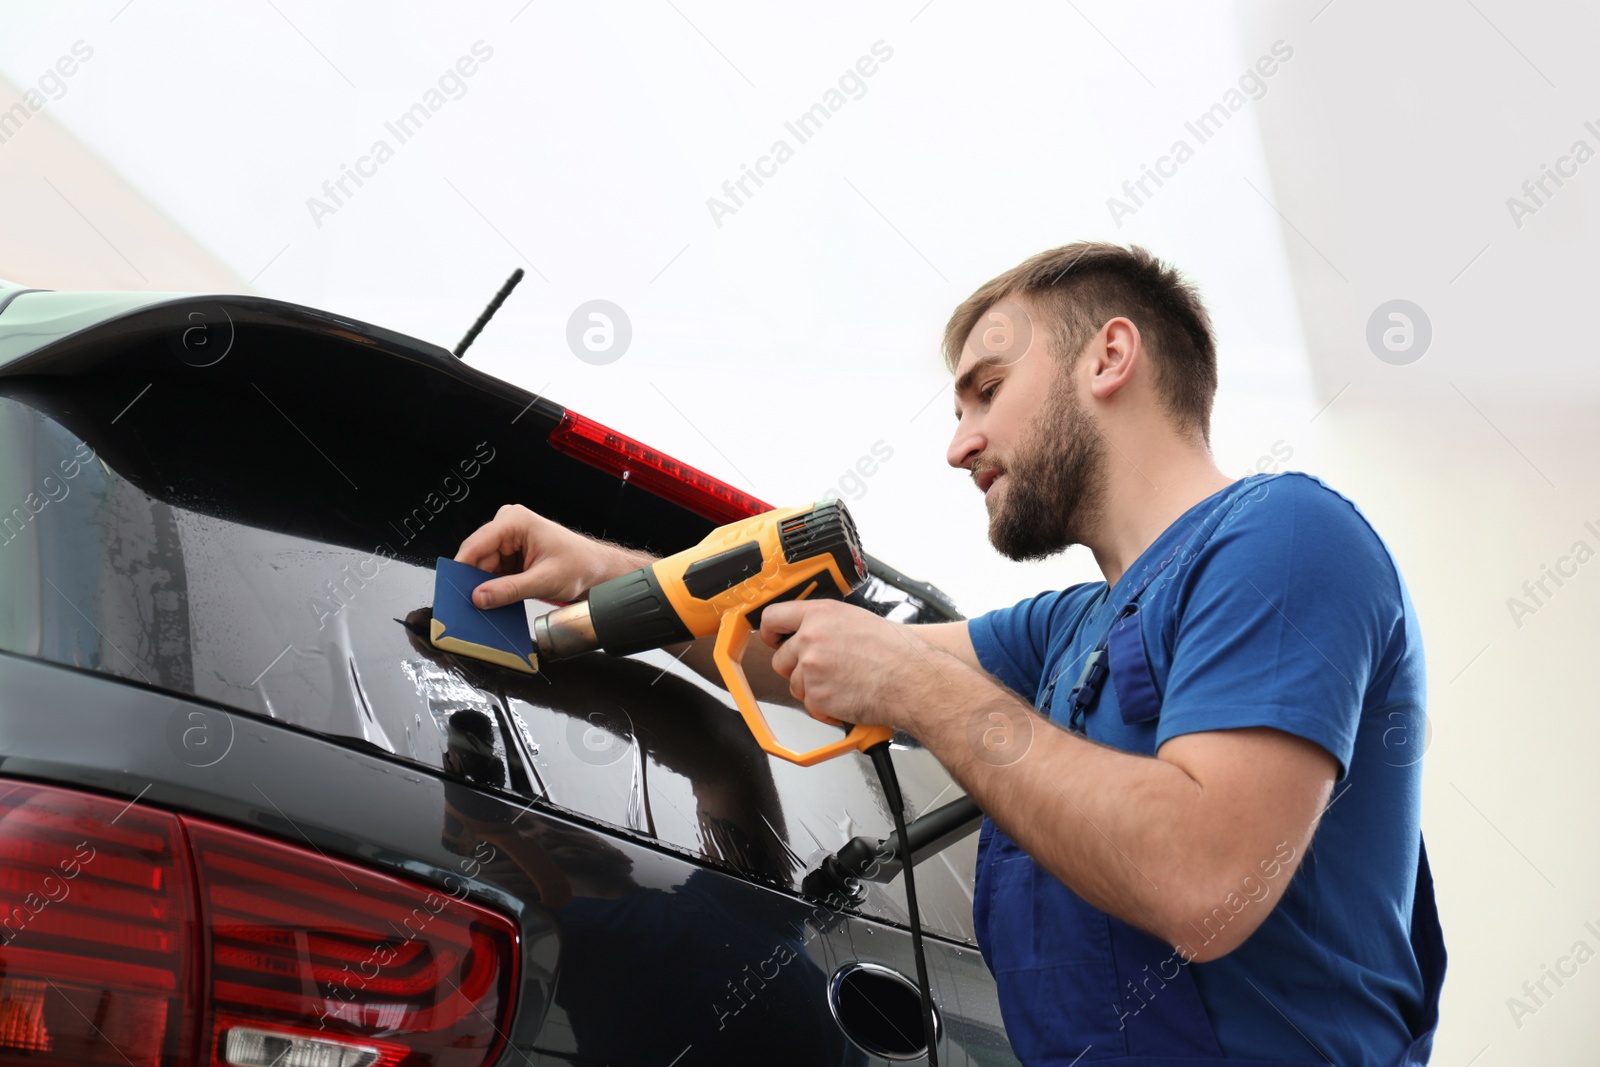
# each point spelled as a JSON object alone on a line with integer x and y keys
{"x": 891, "y": 793}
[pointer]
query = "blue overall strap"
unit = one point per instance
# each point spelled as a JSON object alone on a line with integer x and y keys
{"x": 1130, "y": 669}
{"x": 1083, "y": 694}
{"x": 1122, "y": 644}
{"x": 1100, "y": 663}
{"x": 1427, "y": 943}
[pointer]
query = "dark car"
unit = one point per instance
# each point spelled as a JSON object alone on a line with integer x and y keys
{"x": 250, "y": 815}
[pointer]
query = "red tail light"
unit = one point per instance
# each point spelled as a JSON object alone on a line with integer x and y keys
{"x": 618, "y": 454}
{"x": 97, "y": 947}
{"x": 139, "y": 937}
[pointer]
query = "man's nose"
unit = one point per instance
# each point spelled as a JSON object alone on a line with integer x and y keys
{"x": 967, "y": 444}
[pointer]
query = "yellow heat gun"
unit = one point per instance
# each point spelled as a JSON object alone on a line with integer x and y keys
{"x": 721, "y": 586}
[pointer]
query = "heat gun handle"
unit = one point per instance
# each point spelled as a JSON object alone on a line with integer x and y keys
{"x": 728, "y": 652}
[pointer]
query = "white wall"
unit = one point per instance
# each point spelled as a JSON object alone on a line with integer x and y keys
{"x": 1395, "y": 159}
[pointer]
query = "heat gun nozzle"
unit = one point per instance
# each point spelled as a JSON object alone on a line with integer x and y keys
{"x": 565, "y": 632}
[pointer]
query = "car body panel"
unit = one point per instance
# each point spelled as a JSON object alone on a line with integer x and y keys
{"x": 646, "y": 943}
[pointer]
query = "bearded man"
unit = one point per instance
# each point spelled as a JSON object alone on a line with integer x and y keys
{"x": 1200, "y": 778}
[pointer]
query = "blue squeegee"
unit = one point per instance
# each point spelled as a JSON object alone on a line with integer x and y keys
{"x": 499, "y": 635}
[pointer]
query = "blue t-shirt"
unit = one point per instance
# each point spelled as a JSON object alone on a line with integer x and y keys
{"x": 1292, "y": 615}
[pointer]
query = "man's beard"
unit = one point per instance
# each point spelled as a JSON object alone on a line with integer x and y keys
{"x": 1056, "y": 484}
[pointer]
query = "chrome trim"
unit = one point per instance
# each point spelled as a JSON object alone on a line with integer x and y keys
{"x": 885, "y": 972}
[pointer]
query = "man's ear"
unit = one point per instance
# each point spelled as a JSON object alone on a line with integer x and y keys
{"x": 1114, "y": 353}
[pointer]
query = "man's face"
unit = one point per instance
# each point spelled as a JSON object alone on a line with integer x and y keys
{"x": 1028, "y": 441}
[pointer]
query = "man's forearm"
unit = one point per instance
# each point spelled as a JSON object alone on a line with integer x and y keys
{"x": 617, "y": 560}
{"x": 1124, "y": 832}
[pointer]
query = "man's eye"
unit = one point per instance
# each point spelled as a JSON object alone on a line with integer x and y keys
{"x": 989, "y": 391}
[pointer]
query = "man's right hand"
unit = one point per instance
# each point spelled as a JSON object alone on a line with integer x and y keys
{"x": 540, "y": 559}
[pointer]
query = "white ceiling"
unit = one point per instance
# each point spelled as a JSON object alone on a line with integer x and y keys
{"x": 1395, "y": 153}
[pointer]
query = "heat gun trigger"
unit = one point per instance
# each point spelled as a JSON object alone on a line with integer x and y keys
{"x": 733, "y": 636}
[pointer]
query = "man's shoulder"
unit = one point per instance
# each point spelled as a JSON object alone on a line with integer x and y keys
{"x": 1056, "y": 607}
{"x": 1298, "y": 510}
{"x": 1014, "y": 643}
{"x": 1295, "y": 541}
{"x": 1305, "y": 487}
